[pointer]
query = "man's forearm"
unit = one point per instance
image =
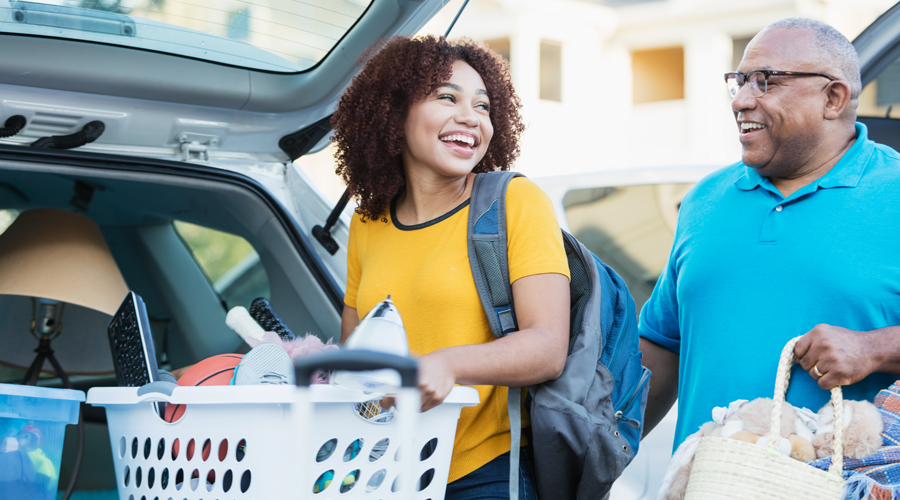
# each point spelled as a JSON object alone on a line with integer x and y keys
{"x": 884, "y": 347}
{"x": 663, "y": 382}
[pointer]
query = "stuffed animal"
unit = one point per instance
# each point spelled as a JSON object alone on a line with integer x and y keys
{"x": 751, "y": 423}
{"x": 862, "y": 430}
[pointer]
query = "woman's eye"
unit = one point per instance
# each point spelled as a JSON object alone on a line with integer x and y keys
{"x": 483, "y": 105}
{"x": 446, "y": 97}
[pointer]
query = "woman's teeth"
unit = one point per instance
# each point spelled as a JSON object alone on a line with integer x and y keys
{"x": 460, "y": 138}
{"x": 750, "y": 126}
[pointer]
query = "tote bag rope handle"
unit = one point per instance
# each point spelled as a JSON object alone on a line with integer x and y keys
{"x": 837, "y": 402}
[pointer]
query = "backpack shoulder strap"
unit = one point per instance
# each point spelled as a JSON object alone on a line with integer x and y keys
{"x": 486, "y": 240}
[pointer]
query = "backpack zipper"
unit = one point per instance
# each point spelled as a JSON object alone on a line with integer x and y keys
{"x": 620, "y": 414}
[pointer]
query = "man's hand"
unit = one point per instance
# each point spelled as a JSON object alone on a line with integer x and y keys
{"x": 837, "y": 356}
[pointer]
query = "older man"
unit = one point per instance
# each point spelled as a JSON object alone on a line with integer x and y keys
{"x": 802, "y": 237}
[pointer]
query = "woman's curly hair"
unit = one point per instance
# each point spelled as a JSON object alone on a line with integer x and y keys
{"x": 368, "y": 123}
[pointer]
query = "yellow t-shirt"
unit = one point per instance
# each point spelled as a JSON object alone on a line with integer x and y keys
{"x": 425, "y": 269}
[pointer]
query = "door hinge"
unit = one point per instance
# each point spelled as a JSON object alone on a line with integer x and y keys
{"x": 196, "y": 146}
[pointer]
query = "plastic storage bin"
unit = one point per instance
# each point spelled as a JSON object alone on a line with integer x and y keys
{"x": 241, "y": 442}
{"x": 32, "y": 427}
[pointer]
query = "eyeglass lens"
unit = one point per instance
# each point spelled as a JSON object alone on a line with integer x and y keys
{"x": 756, "y": 79}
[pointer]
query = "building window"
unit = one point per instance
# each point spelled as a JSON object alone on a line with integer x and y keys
{"x": 657, "y": 74}
{"x": 500, "y": 46}
{"x": 551, "y": 71}
{"x": 738, "y": 45}
{"x": 239, "y": 24}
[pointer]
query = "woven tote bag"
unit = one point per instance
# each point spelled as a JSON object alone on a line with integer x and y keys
{"x": 736, "y": 470}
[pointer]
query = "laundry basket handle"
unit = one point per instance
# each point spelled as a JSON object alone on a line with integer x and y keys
{"x": 837, "y": 402}
{"x": 356, "y": 360}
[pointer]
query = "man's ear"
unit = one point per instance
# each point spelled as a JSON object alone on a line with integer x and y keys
{"x": 837, "y": 98}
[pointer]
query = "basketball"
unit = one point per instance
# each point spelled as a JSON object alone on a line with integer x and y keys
{"x": 215, "y": 370}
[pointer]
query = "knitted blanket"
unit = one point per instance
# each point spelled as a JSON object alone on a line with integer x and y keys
{"x": 877, "y": 476}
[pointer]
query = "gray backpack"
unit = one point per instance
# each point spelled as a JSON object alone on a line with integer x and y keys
{"x": 586, "y": 425}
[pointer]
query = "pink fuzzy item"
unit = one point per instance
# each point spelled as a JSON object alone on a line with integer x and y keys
{"x": 297, "y": 348}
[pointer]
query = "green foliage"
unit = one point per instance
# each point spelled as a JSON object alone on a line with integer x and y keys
{"x": 215, "y": 251}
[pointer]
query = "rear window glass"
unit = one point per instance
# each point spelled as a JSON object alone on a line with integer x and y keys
{"x": 281, "y": 36}
{"x": 630, "y": 228}
{"x": 229, "y": 261}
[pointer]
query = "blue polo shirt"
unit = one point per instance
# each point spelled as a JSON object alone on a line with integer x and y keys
{"x": 750, "y": 269}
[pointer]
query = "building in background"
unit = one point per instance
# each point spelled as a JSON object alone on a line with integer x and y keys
{"x": 624, "y": 83}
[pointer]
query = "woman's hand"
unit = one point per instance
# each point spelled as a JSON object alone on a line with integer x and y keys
{"x": 436, "y": 378}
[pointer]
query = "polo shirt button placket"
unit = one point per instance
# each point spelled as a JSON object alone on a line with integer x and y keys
{"x": 769, "y": 233}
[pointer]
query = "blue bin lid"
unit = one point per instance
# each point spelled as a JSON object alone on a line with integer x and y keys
{"x": 40, "y": 403}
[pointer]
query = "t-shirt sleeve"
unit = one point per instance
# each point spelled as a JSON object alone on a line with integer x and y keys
{"x": 354, "y": 268}
{"x": 534, "y": 240}
{"x": 659, "y": 316}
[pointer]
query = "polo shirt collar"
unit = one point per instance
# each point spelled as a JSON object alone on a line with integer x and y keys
{"x": 846, "y": 173}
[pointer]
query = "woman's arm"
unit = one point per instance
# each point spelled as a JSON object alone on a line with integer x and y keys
{"x": 349, "y": 320}
{"x": 534, "y": 354}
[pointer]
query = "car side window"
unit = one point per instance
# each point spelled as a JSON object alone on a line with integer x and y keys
{"x": 630, "y": 228}
{"x": 230, "y": 263}
{"x": 6, "y": 218}
{"x": 881, "y": 97}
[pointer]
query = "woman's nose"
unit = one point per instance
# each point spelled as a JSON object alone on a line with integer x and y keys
{"x": 467, "y": 116}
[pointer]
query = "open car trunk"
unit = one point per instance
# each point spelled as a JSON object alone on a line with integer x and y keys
{"x": 136, "y": 203}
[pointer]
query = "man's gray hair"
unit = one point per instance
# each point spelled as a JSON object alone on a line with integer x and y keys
{"x": 841, "y": 59}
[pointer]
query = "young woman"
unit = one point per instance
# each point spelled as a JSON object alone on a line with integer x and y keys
{"x": 422, "y": 119}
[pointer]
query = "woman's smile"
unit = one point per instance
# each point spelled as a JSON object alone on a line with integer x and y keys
{"x": 461, "y": 142}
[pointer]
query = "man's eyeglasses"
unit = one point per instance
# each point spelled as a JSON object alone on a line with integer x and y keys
{"x": 759, "y": 80}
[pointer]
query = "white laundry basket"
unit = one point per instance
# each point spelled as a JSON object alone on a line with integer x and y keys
{"x": 245, "y": 442}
